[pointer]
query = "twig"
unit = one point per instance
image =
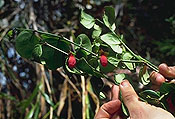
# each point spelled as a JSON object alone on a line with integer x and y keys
{"x": 70, "y": 82}
{"x": 69, "y": 105}
{"x": 83, "y": 86}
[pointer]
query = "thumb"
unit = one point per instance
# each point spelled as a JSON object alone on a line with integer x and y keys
{"x": 129, "y": 96}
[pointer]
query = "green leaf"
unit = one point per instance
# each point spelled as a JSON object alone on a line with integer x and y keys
{"x": 167, "y": 88}
{"x": 25, "y": 103}
{"x": 93, "y": 62}
{"x": 144, "y": 76}
{"x": 96, "y": 45}
{"x": 6, "y": 96}
{"x": 10, "y": 33}
{"x": 31, "y": 113}
{"x": 124, "y": 109}
{"x": 110, "y": 67}
{"x": 112, "y": 41}
{"x": 113, "y": 61}
{"x": 37, "y": 51}
{"x": 128, "y": 56}
{"x": 52, "y": 58}
{"x": 1, "y": 3}
{"x": 87, "y": 20}
{"x": 74, "y": 70}
{"x": 109, "y": 18}
{"x": 37, "y": 111}
{"x": 151, "y": 97}
{"x": 25, "y": 44}
{"x": 149, "y": 94}
{"x": 102, "y": 96}
{"x": 97, "y": 31}
{"x": 119, "y": 78}
{"x": 83, "y": 41}
{"x": 83, "y": 65}
{"x": 48, "y": 100}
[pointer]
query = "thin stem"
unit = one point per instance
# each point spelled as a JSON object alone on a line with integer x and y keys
{"x": 131, "y": 61}
{"x": 79, "y": 46}
{"x": 152, "y": 66}
{"x": 41, "y": 32}
{"x": 45, "y": 43}
{"x": 100, "y": 21}
{"x": 136, "y": 56}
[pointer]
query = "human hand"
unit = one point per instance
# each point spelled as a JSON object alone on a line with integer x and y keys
{"x": 158, "y": 78}
{"x": 137, "y": 109}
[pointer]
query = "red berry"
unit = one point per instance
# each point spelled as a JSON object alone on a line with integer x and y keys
{"x": 71, "y": 61}
{"x": 103, "y": 60}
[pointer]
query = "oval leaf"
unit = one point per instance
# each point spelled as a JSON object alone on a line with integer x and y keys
{"x": 87, "y": 20}
{"x": 52, "y": 58}
{"x": 112, "y": 41}
{"x": 25, "y": 44}
{"x": 119, "y": 78}
{"x": 109, "y": 18}
{"x": 83, "y": 41}
{"x": 128, "y": 56}
{"x": 83, "y": 65}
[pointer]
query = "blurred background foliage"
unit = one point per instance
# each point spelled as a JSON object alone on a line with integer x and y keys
{"x": 28, "y": 90}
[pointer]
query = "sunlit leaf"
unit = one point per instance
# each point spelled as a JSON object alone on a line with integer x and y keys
{"x": 128, "y": 56}
{"x": 1, "y": 3}
{"x": 87, "y": 20}
{"x": 102, "y": 96}
{"x": 85, "y": 42}
{"x": 31, "y": 113}
{"x": 97, "y": 31}
{"x": 119, "y": 78}
{"x": 113, "y": 61}
{"x": 109, "y": 18}
{"x": 144, "y": 76}
{"x": 47, "y": 98}
{"x": 112, "y": 41}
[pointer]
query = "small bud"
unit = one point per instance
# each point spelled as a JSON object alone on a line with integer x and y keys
{"x": 103, "y": 60}
{"x": 71, "y": 61}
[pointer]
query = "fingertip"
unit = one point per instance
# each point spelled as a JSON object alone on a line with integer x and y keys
{"x": 163, "y": 68}
{"x": 124, "y": 83}
{"x": 157, "y": 78}
{"x": 129, "y": 95}
{"x": 115, "y": 92}
{"x": 160, "y": 79}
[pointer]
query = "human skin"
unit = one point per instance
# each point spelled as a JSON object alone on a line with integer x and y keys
{"x": 137, "y": 109}
{"x": 157, "y": 78}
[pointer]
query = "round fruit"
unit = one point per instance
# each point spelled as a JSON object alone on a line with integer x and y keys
{"x": 71, "y": 61}
{"x": 103, "y": 60}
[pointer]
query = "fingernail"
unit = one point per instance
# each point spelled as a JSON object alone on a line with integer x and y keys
{"x": 125, "y": 83}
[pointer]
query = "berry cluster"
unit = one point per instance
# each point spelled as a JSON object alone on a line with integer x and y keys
{"x": 72, "y": 60}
